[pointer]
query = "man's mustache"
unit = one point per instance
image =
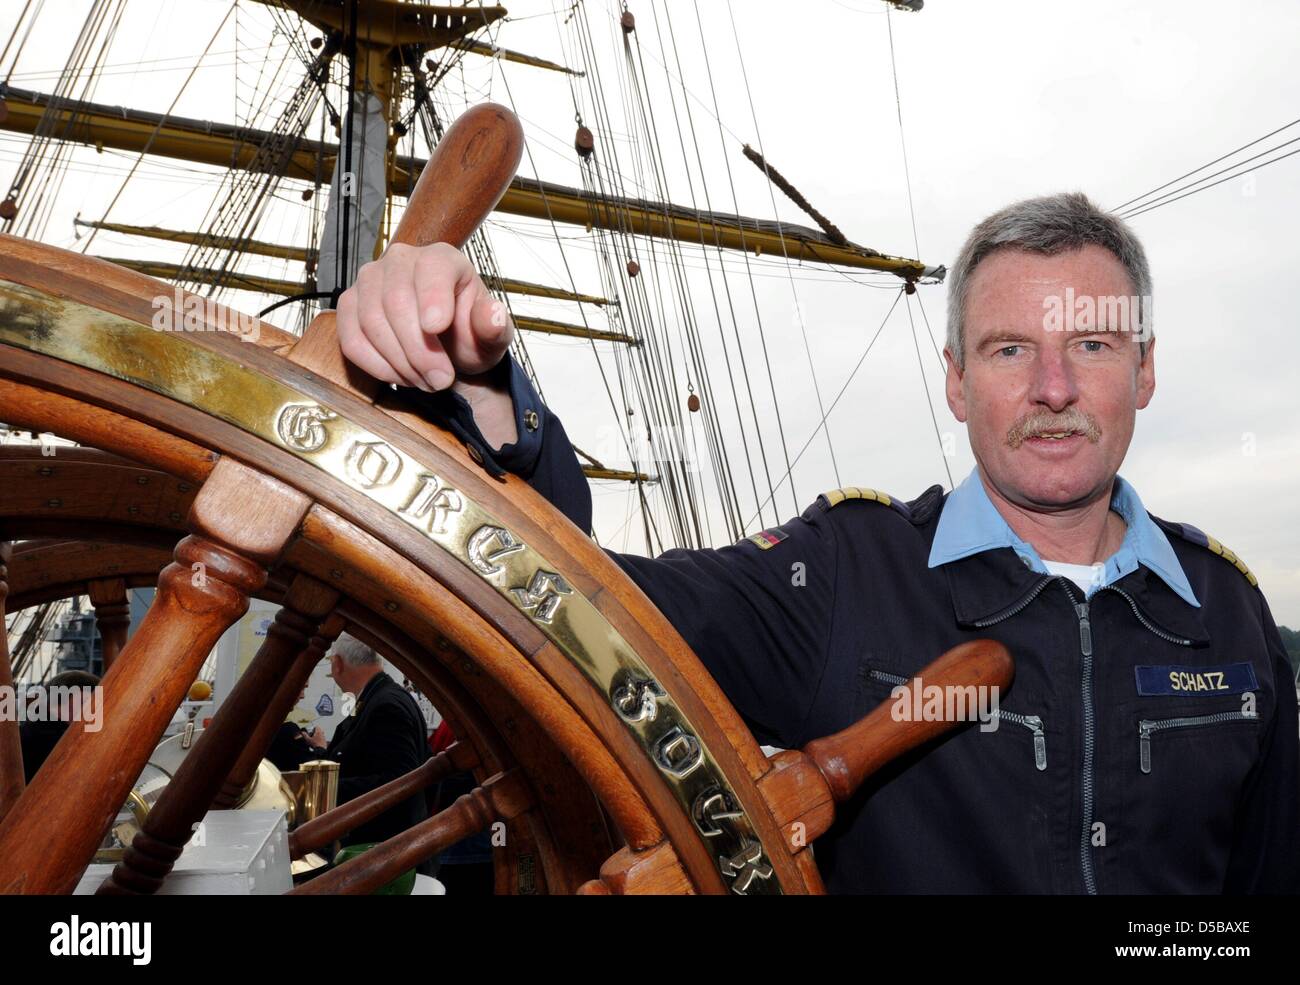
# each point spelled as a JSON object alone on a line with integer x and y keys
{"x": 1044, "y": 422}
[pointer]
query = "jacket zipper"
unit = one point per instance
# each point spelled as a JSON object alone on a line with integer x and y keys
{"x": 888, "y": 678}
{"x": 1147, "y": 727}
{"x": 1090, "y": 728}
{"x": 1081, "y": 609}
{"x": 1022, "y": 604}
{"x": 1089, "y": 723}
{"x": 1031, "y": 722}
{"x": 1035, "y": 726}
{"x": 1082, "y": 612}
{"x": 1143, "y": 619}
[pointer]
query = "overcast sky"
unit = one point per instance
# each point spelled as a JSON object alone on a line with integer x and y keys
{"x": 1000, "y": 101}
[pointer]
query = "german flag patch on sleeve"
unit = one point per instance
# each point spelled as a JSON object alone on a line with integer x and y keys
{"x": 767, "y": 539}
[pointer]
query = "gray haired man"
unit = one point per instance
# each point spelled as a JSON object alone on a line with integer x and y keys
{"x": 383, "y": 738}
{"x": 1149, "y": 742}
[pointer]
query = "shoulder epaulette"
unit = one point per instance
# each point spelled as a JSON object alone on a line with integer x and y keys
{"x": 918, "y": 512}
{"x": 829, "y": 500}
{"x": 1202, "y": 539}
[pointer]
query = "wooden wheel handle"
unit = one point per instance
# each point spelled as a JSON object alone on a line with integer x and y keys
{"x": 847, "y": 758}
{"x": 461, "y": 184}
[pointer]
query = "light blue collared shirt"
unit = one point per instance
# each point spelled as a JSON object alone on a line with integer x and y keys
{"x": 970, "y": 523}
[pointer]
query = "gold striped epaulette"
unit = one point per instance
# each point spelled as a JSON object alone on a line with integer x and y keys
{"x": 837, "y": 496}
{"x": 1200, "y": 537}
{"x": 829, "y": 500}
{"x": 1228, "y": 555}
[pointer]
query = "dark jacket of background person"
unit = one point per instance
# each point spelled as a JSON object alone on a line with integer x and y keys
{"x": 39, "y": 738}
{"x": 383, "y": 739}
{"x": 38, "y": 741}
{"x": 290, "y": 748}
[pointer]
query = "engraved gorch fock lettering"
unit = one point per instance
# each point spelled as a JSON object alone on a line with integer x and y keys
{"x": 745, "y": 866}
{"x": 430, "y": 504}
{"x": 372, "y": 464}
{"x": 678, "y": 753}
{"x": 543, "y": 594}
{"x": 637, "y": 699}
{"x": 487, "y": 561}
{"x": 300, "y": 426}
{"x": 545, "y": 590}
{"x": 712, "y": 811}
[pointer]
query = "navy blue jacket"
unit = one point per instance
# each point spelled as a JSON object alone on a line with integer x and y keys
{"x": 1115, "y": 768}
{"x": 384, "y": 740}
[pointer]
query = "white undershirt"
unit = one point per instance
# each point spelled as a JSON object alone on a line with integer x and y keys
{"x": 1086, "y": 576}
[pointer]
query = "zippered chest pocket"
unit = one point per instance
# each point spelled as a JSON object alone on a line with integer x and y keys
{"x": 1150, "y": 728}
{"x": 883, "y": 682}
{"x": 1036, "y": 730}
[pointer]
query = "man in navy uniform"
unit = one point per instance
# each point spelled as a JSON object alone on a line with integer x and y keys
{"x": 1149, "y": 742}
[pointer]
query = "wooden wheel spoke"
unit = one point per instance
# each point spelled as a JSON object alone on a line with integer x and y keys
{"x": 112, "y": 615}
{"x": 501, "y": 798}
{"x": 803, "y": 786}
{"x": 186, "y": 799}
{"x": 243, "y": 770}
{"x": 49, "y": 836}
{"x": 652, "y": 871}
{"x": 332, "y": 825}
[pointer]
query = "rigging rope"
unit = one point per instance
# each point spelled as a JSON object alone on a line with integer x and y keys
{"x": 794, "y": 195}
{"x": 929, "y": 404}
{"x": 157, "y": 128}
{"x": 898, "y": 103}
{"x": 1210, "y": 164}
{"x": 23, "y": 43}
{"x": 730, "y": 498}
{"x": 233, "y": 215}
{"x": 803, "y": 330}
{"x": 573, "y": 284}
{"x": 687, "y": 325}
{"x": 854, "y": 373}
{"x": 655, "y": 383}
{"x": 1165, "y": 199}
{"x": 45, "y": 160}
{"x": 916, "y": 244}
{"x": 744, "y": 364}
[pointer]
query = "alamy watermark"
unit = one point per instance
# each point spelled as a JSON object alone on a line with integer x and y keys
{"x": 55, "y": 703}
{"x": 77, "y": 938}
{"x": 1098, "y": 313}
{"x": 181, "y": 312}
{"x": 648, "y": 449}
{"x": 13, "y": 436}
{"x": 916, "y": 701}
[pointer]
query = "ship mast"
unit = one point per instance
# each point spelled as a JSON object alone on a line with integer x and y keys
{"x": 226, "y": 145}
{"x": 650, "y": 349}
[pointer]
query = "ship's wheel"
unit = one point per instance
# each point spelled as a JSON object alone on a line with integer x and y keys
{"x": 597, "y": 737}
